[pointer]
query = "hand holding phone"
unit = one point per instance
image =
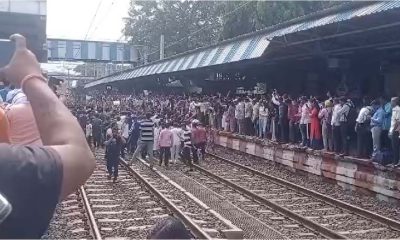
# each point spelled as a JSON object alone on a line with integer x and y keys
{"x": 23, "y": 63}
{"x": 6, "y": 51}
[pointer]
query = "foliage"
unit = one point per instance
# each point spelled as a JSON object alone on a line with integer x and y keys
{"x": 191, "y": 24}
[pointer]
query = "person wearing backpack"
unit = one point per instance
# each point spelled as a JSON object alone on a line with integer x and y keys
{"x": 325, "y": 115}
{"x": 362, "y": 129}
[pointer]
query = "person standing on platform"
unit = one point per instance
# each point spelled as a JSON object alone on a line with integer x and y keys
{"x": 325, "y": 115}
{"x": 387, "y": 107}
{"x": 376, "y": 126}
{"x": 336, "y": 126}
{"x": 363, "y": 123}
{"x": 394, "y": 130}
{"x": 343, "y": 114}
{"x": 263, "y": 120}
{"x": 240, "y": 116}
{"x": 146, "y": 139}
{"x": 231, "y": 118}
{"x": 255, "y": 117}
{"x": 315, "y": 127}
{"x": 293, "y": 109}
{"x": 304, "y": 122}
{"x": 165, "y": 142}
{"x": 248, "y": 112}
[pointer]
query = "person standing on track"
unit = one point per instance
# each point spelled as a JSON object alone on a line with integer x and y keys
{"x": 146, "y": 139}
{"x": 165, "y": 141}
{"x": 113, "y": 151}
{"x": 97, "y": 127}
{"x": 177, "y": 135}
{"x": 186, "y": 145}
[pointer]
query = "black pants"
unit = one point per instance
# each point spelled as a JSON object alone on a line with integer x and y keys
{"x": 343, "y": 135}
{"x": 165, "y": 155}
{"x": 248, "y": 126}
{"x": 284, "y": 130}
{"x": 293, "y": 132}
{"x": 124, "y": 146}
{"x": 336, "y": 139}
{"x": 97, "y": 140}
{"x": 304, "y": 137}
{"x": 186, "y": 157}
{"x": 362, "y": 140}
{"x": 112, "y": 166}
{"x": 385, "y": 140}
{"x": 396, "y": 147}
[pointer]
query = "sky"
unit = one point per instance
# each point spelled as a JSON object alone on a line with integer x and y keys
{"x": 71, "y": 19}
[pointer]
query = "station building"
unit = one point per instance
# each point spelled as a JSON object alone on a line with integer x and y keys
{"x": 352, "y": 49}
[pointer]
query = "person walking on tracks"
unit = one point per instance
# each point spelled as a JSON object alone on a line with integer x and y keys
{"x": 165, "y": 141}
{"x": 187, "y": 147}
{"x": 113, "y": 152}
{"x": 146, "y": 139}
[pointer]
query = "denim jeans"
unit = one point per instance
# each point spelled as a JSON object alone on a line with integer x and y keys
{"x": 145, "y": 144}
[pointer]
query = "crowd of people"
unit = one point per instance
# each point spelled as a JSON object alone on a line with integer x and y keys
{"x": 333, "y": 124}
{"x": 45, "y": 155}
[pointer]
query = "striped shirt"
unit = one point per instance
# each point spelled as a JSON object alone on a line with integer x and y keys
{"x": 147, "y": 130}
{"x": 187, "y": 142}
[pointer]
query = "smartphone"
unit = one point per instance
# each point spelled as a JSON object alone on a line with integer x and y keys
{"x": 7, "y": 48}
{"x": 5, "y": 208}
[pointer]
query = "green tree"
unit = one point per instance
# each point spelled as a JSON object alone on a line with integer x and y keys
{"x": 185, "y": 25}
{"x": 191, "y": 24}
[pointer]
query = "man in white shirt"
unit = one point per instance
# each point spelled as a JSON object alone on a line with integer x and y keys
{"x": 240, "y": 115}
{"x": 394, "y": 130}
{"x": 177, "y": 138}
{"x": 248, "y": 112}
{"x": 336, "y": 126}
{"x": 362, "y": 130}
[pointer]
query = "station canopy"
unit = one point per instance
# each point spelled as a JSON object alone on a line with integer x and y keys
{"x": 246, "y": 47}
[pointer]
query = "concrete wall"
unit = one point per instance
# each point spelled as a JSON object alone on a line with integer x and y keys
{"x": 348, "y": 172}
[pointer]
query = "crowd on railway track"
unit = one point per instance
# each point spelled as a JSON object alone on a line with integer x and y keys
{"x": 364, "y": 128}
{"x": 46, "y": 156}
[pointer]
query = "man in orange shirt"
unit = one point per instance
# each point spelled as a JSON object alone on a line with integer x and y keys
{"x": 4, "y": 128}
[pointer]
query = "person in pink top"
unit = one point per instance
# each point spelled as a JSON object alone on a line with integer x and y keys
{"x": 165, "y": 140}
{"x": 22, "y": 123}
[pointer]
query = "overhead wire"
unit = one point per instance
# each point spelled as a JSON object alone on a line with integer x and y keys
{"x": 104, "y": 18}
{"x": 93, "y": 18}
{"x": 201, "y": 29}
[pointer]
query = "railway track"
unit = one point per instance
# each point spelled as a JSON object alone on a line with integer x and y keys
{"x": 132, "y": 206}
{"x": 330, "y": 217}
{"x": 71, "y": 219}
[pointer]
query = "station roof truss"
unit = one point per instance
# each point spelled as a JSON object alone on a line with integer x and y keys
{"x": 249, "y": 46}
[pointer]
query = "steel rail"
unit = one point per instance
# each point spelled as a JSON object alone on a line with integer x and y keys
{"x": 354, "y": 209}
{"x": 194, "y": 228}
{"x": 89, "y": 212}
{"x": 308, "y": 223}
